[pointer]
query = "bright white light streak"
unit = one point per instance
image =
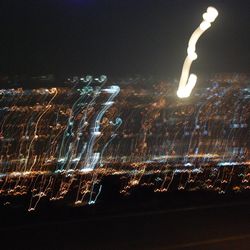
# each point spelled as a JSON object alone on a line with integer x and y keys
{"x": 187, "y": 82}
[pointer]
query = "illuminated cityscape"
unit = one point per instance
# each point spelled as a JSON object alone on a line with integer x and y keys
{"x": 53, "y": 139}
{"x": 124, "y": 124}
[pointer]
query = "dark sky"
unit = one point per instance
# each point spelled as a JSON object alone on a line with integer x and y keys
{"x": 120, "y": 37}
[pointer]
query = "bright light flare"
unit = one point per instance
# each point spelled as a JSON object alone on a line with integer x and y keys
{"x": 187, "y": 83}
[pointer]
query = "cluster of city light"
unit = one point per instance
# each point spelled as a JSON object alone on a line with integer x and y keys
{"x": 190, "y": 154}
{"x": 66, "y": 147}
{"x": 76, "y": 135}
{"x": 187, "y": 82}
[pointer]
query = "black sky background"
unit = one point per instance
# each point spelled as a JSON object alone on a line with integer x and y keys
{"x": 120, "y": 37}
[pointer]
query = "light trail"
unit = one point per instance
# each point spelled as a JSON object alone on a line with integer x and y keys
{"x": 35, "y": 136}
{"x": 187, "y": 82}
{"x": 93, "y": 157}
{"x": 66, "y": 144}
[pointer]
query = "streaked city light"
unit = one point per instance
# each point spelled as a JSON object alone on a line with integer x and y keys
{"x": 71, "y": 138}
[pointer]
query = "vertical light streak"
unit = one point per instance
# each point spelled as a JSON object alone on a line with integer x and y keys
{"x": 64, "y": 148}
{"x": 187, "y": 82}
{"x": 92, "y": 158}
{"x": 35, "y": 136}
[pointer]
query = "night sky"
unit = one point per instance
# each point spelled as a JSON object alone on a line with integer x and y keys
{"x": 120, "y": 37}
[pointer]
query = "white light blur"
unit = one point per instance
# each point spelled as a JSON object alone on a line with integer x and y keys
{"x": 187, "y": 82}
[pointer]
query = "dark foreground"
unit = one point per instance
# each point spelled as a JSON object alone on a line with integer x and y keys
{"x": 144, "y": 220}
